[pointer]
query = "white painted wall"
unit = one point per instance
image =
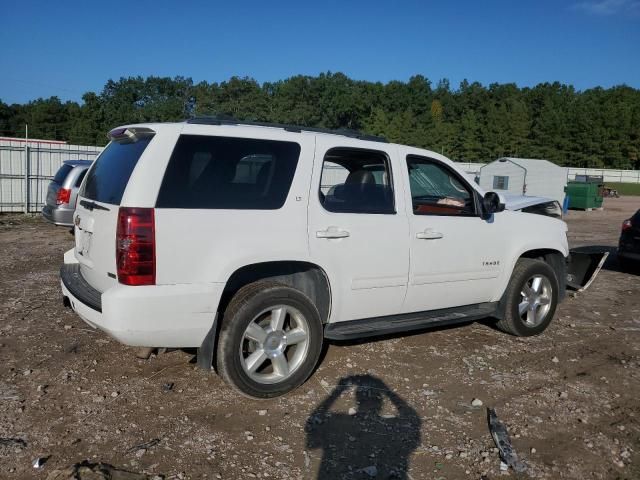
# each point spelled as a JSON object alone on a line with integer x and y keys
{"x": 539, "y": 178}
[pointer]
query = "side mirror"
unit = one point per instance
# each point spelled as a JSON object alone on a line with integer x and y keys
{"x": 491, "y": 203}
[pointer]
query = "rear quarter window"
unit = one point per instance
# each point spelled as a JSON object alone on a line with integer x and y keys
{"x": 108, "y": 176}
{"x": 207, "y": 172}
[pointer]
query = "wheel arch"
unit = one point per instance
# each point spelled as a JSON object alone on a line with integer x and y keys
{"x": 306, "y": 277}
{"x": 556, "y": 259}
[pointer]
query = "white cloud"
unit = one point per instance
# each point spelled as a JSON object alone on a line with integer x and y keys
{"x": 609, "y": 7}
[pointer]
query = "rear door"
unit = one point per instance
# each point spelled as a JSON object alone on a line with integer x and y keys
{"x": 358, "y": 229}
{"x": 97, "y": 208}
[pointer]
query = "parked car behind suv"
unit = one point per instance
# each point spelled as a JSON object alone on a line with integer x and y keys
{"x": 256, "y": 243}
{"x": 61, "y": 194}
{"x": 629, "y": 245}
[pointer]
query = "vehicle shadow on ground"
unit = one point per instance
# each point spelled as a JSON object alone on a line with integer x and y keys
{"x": 372, "y": 437}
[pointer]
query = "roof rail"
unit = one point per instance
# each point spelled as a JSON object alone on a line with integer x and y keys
{"x": 224, "y": 120}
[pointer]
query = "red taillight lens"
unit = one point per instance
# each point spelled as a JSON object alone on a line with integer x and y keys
{"x": 136, "y": 246}
{"x": 626, "y": 225}
{"x": 63, "y": 197}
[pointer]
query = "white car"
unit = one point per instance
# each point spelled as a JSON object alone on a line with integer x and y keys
{"x": 255, "y": 243}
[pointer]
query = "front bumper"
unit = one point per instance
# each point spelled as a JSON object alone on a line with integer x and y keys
{"x": 177, "y": 316}
{"x": 583, "y": 266}
{"x": 58, "y": 216}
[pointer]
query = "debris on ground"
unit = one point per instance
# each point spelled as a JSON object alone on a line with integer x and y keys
{"x": 98, "y": 471}
{"x": 13, "y": 442}
{"x": 501, "y": 438}
{"x": 167, "y": 387}
{"x": 144, "y": 446}
{"x": 40, "y": 461}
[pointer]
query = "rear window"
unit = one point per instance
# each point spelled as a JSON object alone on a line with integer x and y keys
{"x": 62, "y": 173}
{"x": 228, "y": 173}
{"x": 80, "y": 178}
{"x": 108, "y": 176}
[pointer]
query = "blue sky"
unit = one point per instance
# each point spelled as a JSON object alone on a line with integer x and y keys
{"x": 66, "y": 47}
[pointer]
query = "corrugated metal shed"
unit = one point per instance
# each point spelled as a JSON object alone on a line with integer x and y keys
{"x": 27, "y": 166}
{"x": 525, "y": 176}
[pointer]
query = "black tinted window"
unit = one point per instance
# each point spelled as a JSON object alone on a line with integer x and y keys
{"x": 61, "y": 174}
{"x": 80, "y": 178}
{"x": 228, "y": 173}
{"x": 356, "y": 181}
{"x": 109, "y": 175}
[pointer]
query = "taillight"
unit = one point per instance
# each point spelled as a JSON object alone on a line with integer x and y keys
{"x": 626, "y": 225}
{"x": 136, "y": 246}
{"x": 63, "y": 197}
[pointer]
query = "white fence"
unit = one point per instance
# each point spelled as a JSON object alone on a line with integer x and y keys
{"x": 610, "y": 175}
{"x": 27, "y": 167}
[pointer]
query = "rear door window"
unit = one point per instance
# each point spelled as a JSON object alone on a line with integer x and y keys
{"x": 207, "y": 172}
{"x": 108, "y": 176}
{"x": 356, "y": 181}
{"x": 62, "y": 173}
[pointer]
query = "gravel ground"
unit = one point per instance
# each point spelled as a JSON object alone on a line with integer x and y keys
{"x": 398, "y": 407}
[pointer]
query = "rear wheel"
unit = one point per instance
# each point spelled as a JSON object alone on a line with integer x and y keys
{"x": 270, "y": 340}
{"x": 531, "y": 298}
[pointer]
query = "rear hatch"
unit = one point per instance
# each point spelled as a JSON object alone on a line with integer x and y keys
{"x": 56, "y": 183}
{"x": 99, "y": 200}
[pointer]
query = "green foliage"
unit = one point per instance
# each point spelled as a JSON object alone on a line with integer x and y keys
{"x": 593, "y": 128}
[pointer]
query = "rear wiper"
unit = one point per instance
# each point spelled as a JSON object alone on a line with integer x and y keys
{"x": 92, "y": 205}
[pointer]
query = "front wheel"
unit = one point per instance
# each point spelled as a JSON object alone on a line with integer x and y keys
{"x": 531, "y": 298}
{"x": 270, "y": 340}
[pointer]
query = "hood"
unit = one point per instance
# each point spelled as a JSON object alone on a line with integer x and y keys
{"x": 518, "y": 202}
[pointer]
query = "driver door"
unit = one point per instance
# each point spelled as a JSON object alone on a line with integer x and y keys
{"x": 456, "y": 255}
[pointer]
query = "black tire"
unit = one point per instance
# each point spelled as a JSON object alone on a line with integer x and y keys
{"x": 245, "y": 306}
{"x": 512, "y": 322}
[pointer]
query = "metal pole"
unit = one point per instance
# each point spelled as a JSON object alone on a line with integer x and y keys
{"x": 26, "y": 168}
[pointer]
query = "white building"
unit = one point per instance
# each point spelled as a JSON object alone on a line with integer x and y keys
{"x": 525, "y": 176}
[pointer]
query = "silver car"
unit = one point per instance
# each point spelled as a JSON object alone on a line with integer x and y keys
{"x": 62, "y": 192}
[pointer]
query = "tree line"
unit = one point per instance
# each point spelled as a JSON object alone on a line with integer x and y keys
{"x": 474, "y": 123}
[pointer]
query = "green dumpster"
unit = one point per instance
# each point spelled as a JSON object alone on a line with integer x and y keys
{"x": 584, "y": 195}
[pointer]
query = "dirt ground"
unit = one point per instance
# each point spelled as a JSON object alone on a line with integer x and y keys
{"x": 569, "y": 397}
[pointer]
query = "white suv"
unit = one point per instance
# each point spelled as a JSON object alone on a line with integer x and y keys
{"x": 257, "y": 242}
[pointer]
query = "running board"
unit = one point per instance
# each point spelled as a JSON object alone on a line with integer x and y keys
{"x": 371, "y": 327}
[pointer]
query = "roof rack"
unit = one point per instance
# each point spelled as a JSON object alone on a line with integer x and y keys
{"x": 224, "y": 120}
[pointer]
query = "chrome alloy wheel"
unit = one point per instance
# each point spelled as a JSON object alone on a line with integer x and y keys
{"x": 274, "y": 344}
{"x": 535, "y": 301}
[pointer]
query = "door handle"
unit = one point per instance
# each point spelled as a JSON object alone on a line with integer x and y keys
{"x": 332, "y": 232}
{"x": 429, "y": 235}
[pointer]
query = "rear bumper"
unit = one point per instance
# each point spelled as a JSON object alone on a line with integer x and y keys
{"x": 176, "y": 316}
{"x": 58, "y": 216}
{"x": 629, "y": 255}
